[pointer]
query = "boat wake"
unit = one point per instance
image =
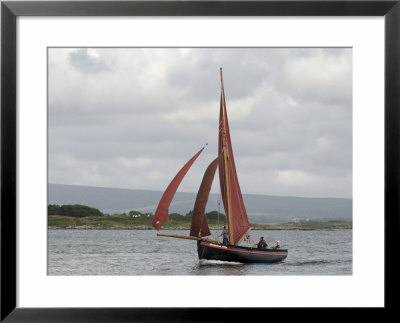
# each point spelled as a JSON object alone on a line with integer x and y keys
{"x": 207, "y": 262}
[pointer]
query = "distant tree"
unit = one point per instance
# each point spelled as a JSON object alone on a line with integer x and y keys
{"x": 76, "y": 210}
{"x": 135, "y": 213}
{"x": 213, "y": 215}
{"x": 53, "y": 209}
{"x": 175, "y": 216}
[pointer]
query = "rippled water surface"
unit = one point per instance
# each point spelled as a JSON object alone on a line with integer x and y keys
{"x": 142, "y": 252}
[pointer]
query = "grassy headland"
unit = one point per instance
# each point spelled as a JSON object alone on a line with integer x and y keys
{"x": 82, "y": 217}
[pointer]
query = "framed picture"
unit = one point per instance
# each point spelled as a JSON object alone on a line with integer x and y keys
{"x": 39, "y": 37}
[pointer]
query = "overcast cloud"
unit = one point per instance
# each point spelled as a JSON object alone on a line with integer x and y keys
{"x": 131, "y": 117}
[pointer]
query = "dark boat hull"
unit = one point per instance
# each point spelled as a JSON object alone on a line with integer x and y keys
{"x": 212, "y": 251}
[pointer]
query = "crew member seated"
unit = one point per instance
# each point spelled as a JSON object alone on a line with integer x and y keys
{"x": 277, "y": 246}
{"x": 262, "y": 244}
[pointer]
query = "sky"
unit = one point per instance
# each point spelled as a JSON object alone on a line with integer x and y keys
{"x": 132, "y": 117}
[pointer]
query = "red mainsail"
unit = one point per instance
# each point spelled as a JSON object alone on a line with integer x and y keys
{"x": 199, "y": 226}
{"x": 232, "y": 198}
{"x": 161, "y": 214}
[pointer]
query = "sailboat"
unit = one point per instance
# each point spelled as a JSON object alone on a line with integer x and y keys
{"x": 237, "y": 220}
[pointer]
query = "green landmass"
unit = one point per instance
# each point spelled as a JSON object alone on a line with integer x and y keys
{"x": 75, "y": 210}
{"x": 83, "y": 217}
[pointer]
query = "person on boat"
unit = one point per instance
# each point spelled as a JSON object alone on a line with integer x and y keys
{"x": 224, "y": 235}
{"x": 277, "y": 246}
{"x": 262, "y": 244}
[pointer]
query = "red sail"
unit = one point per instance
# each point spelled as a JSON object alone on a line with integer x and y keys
{"x": 239, "y": 222}
{"x": 199, "y": 226}
{"x": 161, "y": 214}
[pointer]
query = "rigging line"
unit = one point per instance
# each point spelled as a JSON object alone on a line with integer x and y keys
{"x": 219, "y": 208}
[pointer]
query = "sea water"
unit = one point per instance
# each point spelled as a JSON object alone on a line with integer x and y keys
{"x": 142, "y": 252}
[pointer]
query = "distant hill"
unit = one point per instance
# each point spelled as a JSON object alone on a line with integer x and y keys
{"x": 260, "y": 208}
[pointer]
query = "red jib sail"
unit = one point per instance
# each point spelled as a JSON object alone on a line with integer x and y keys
{"x": 239, "y": 224}
{"x": 161, "y": 214}
{"x": 199, "y": 226}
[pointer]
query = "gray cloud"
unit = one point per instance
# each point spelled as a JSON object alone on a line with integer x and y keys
{"x": 131, "y": 117}
{"x": 86, "y": 60}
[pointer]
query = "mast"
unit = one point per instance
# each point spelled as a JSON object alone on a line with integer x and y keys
{"x": 237, "y": 220}
{"x": 226, "y": 171}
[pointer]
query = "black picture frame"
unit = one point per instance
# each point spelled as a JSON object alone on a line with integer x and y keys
{"x": 11, "y": 10}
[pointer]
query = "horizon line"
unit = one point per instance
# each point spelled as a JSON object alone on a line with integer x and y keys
{"x": 154, "y": 190}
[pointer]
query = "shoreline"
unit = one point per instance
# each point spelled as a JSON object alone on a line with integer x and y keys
{"x": 185, "y": 229}
{"x": 55, "y": 222}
